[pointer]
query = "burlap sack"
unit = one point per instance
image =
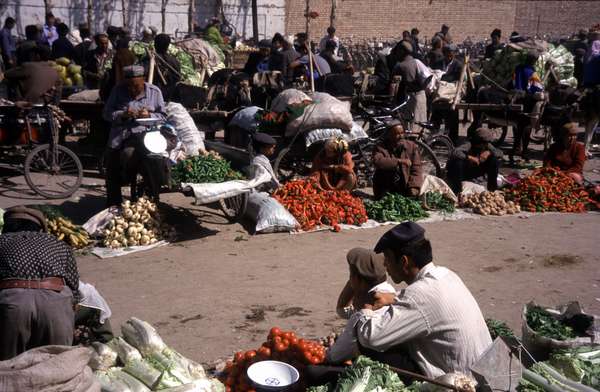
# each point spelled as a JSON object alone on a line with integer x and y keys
{"x": 49, "y": 369}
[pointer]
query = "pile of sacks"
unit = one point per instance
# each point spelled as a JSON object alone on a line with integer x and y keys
{"x": 320, "y": 111}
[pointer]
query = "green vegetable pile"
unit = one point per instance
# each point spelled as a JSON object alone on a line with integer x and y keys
{"x": 395, "y": 208}
{"x": 439, "y": 202}
{"x": 499, "y": 328}
{"x": 546, "y": 325}
{"x": 364, "y": 375}
{"x": 189, "y": 75}
{"x": 203, "y": 169}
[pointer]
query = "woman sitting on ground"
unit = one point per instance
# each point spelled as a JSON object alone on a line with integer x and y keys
{"x": 333, "y": 167}
{"x": 567, "y": 154}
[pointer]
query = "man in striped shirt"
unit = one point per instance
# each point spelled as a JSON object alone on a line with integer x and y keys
{"x": 434, "y": 323}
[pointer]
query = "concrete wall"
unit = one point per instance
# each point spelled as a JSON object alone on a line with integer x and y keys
{"x": 384, "y": 19}
{"x": 147, "y": 12}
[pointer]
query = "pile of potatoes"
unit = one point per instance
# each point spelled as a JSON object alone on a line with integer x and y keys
{"x": 137, "y": 225}
{"x": 490, "y": 203}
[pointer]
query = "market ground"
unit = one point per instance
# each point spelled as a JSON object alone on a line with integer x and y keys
{"x": 218, "y": 289}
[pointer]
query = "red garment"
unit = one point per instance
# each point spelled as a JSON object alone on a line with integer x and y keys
{"x": 569, "y": 160}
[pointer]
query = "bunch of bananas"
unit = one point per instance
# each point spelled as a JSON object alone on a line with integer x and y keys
{"x": 65, "y": 230}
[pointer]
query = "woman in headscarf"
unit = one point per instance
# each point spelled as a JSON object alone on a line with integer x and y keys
{"x": 333, "y": 167}
{"x": 567, "y": 154}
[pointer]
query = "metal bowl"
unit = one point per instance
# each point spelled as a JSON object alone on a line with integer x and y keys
{"x": 272, "y": 375}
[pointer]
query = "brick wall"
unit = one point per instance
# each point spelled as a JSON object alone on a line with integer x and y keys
{"x": 363, "y": 19}
{"x": 555, "y": 17}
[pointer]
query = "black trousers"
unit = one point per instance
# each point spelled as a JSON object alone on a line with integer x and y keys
{"x": 442, "y": 112}
{"x": 460, "y": 170}
{"x": 31, "y": 318}
{"x": 123, "y": 166}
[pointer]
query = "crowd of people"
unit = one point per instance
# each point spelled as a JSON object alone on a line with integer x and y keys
{"x": 433, "y": 326}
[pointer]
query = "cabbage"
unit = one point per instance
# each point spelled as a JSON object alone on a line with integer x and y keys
{"x": 189, "y": 75}
{"x": 124, "y": 350}
{"x": 103, "y": 357}
{"x": 143, "y": 371}
{"x": 142, "y": 336}
{"x": 364, "y": 375}
{"x": 133, "y": 384}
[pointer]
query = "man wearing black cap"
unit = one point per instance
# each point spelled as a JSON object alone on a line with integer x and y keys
{"x": 98, "y": 61}
{"x": 444, "y": 34}
{"x": 259, "y": 61}
{"x": 434, "y": 322}
{"x": 38, "y": 285}
{"x": 491, "y": 49}
{"x": 474, "y": 159}
{"x": 128, "y": 101}
{"x": 397, "y": 164}
{"x": 264, "y": 147}
{"x": 167, "y": 72}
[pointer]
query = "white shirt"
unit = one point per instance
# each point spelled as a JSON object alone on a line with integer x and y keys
{"x": 435, "y": 318}
{"x": 346, "y": 346}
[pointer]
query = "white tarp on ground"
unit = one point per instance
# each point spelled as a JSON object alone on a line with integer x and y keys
{"x": 107, "y": 253}
{"x": 210, "y": 193}
{"x": 98, "y": 222}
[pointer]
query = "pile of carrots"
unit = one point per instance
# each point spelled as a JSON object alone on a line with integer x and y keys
{"x": 313, "y": 207}
{"x": 549, "y": 189}
{"x": 282, "y": 346}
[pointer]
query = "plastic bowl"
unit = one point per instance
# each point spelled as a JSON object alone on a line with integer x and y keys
{"x": 272, "y": 375}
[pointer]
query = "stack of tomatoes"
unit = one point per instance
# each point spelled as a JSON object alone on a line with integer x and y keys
{"x": 549, "y": 189}
{"x": 313, "y": 206}
{"x": 281, "y": 346}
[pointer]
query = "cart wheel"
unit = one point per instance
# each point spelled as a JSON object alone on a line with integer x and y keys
{"x": 56, "y": 181}
{"x": 234, "y": 207}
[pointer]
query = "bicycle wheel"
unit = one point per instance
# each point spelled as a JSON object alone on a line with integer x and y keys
{"x": 442, "y": 147}
{"x": 56, "y": 180}
{"x": 429, "y": 162}
{"x": 362, "y": 155}
{"x": 287, "y": 167}
{"x": 234, "y": 207}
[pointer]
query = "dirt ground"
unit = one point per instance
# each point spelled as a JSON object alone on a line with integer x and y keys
{"x": 219, "y": 290}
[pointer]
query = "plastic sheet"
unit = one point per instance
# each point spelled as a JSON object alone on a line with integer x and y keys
{"x": 268, "y": 214}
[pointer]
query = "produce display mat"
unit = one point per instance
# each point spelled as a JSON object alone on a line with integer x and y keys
{"x": 107, "y": 253}
{"x": 459, "y": 214}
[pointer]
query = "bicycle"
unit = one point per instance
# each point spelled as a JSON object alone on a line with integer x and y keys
{"x": 51, "y": 170}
